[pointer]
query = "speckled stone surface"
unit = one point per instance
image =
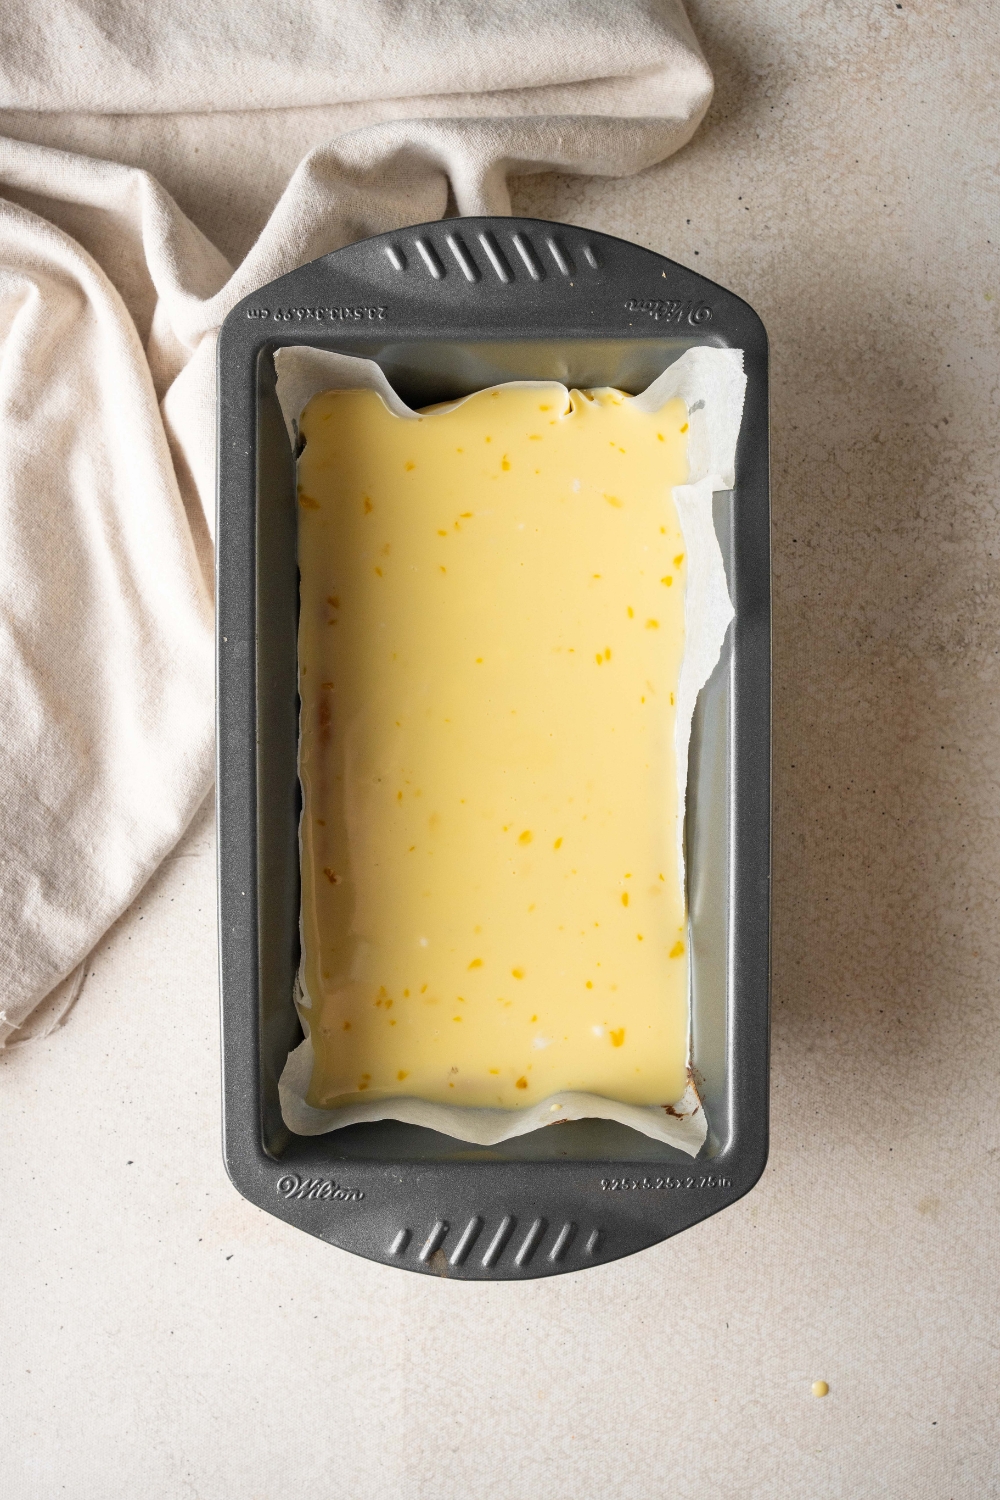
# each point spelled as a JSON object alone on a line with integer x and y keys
{"x": 163, "y": 1338}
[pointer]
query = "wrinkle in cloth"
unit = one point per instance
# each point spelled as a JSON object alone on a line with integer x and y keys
{"x": 110, "y": 301}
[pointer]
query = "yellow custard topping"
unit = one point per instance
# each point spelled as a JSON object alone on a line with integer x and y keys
{"x": 490, "y": 639}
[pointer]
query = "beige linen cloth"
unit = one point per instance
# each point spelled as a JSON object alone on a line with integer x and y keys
{"x": 110, "y": 298}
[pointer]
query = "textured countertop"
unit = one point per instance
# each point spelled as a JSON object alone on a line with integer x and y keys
{"x": 163, "y": 1338}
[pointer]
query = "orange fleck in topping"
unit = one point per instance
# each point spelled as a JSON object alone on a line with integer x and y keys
{"x": 685, "y": 427}
{"x": 368, "y": 506}
{"x": 557, "y": 844}
{"x": 613, "y": 500}
{"x": 678, "y": 559}
{"x": 402, "y": 1074}
{"x": 441, "y": 533}
{"x": 661, "y": 437}
{"x": 631, "y": 611}
{"x": 590, "y": 984}
{"x": 505, "y": 462}
{"x": 379, "y": 572}
{"x": 333, "y": 600}
{"x": 331, "y": 877}
{"x": 476, "y": 963}
{"x": 677, "y": 949}
{"x": 347, "y": 1025}
{"x": 525, "y": 837}
{"x": 517, "y": 973}
{"x": 307, "y": 502}
{"x": 522, "y": 1083}
{"x": 652, "y": 624}
{"x": 410, "y": 465}
{"x": 624, "y": 898}
{"x": 494, "y": 1071}
{"x": 668, "y": 580}
{"x": 617, "y": 1037}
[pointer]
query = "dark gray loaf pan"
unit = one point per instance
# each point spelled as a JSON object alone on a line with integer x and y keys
{"x": 445, "y": 309}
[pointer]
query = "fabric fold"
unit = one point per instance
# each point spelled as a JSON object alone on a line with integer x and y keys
{"x": 178, "y": 56}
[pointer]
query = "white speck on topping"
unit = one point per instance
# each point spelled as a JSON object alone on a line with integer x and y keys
{"x": 422, "y": 942}
{"x": 597, "y": 1030}
{"x": 541, "y": 1042}
{"x": 575, "y": 486}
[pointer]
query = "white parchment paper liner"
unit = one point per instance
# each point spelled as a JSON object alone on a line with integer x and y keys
{"x": 712, "y": 385}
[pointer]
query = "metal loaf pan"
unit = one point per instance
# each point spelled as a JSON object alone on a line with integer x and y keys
{"x": 447, "y": 308}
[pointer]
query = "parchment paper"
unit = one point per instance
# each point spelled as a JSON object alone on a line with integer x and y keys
{"x": 712, "y": 384}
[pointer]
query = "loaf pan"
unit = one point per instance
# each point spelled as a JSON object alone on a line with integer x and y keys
{"x": 446, "y": 309}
